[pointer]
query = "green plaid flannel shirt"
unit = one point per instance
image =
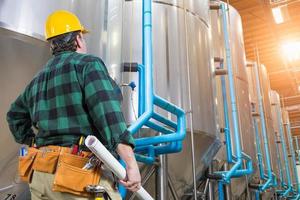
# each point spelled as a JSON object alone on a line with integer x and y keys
{"x": 72, "y": 96}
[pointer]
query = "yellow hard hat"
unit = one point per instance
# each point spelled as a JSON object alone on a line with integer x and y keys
{"x": 61, "y": 22}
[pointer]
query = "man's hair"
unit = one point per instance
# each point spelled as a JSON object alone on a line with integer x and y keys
{"x": 64, "y": 42}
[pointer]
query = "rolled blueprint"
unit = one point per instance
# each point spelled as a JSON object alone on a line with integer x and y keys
{"x": 112, "y": 163}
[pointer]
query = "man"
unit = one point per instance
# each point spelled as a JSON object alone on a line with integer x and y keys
{"x": 73, "y": 96}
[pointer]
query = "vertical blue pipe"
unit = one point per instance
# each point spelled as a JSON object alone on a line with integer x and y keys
{"x": 293, "y": 155}
{"x": 285, "y": 155}
{"x": 147, "y": 51}
{"x": 257, "y": 195}
{"x": 226, "y": 119}
{"x": 235, "y": 119}
{"x": 263, "y": 122}
{"x": 121, "y": 188}
{"x": 221, "y": 190}
{"x": 281, "y": 131}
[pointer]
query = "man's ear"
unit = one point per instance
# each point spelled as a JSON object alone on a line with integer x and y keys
{"x": 79, "y": 40}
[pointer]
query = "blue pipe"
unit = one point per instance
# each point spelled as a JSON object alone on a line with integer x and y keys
{"x": 283, "y": 143}
{"x": 281, "y": 132}
{"x": 264, "y": 129}
{"x": 221, "y": 191}
{"x": 121, "y": 188}
{"x": 238, "y": 149}
{"x": 147, "y": 100}
{"x": 226, "y": 119}
{"x": 257, "y": 196}
{"x": 293, "y": 156}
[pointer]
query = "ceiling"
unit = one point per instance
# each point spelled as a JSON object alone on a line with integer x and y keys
{"x": 261, "y": 33}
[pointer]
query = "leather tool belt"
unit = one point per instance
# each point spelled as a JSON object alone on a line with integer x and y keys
{"x": 69, "y": 175}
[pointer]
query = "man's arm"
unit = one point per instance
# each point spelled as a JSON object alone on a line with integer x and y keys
{"x": 105, "y": 110}
{"x": 19, "y": 121}
{"x": 133, "y": 180}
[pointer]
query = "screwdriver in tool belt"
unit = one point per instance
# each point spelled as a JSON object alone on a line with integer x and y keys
{"x": 81, "y": 143}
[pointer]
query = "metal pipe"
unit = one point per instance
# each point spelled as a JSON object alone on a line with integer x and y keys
{"x": 211, "y": 191}
{"x": 263, "y": 128}
{"x": 190, "y": 107}
{"x": 109, "y": 160}
{"x": 172, "y": 189}
{"x": 227, "y": 186}
{"x": 162, "y": 177}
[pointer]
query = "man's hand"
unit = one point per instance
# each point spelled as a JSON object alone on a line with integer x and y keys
{"x": 133, "y": 179}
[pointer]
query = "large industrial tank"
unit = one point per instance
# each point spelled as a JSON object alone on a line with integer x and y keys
{"x": 23, "y": 52}
{"x": 293, "y": 172}
{"x": 278, "y": 126}
{"x": 181, "y": 59}
{"x": 254, "y": 98}
{"x": 266, "y": 88}
{"x": 246, "y": 130}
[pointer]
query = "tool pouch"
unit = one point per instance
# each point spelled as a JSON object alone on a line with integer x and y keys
{"x": 46, "y": 161}
{"x": 26, "y": 163}
{"x": 71, "y": 178}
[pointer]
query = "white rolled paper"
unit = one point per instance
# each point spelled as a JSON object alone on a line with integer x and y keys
{"x": 112, "y": 163}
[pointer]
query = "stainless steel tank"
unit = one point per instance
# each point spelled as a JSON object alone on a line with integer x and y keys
{"x": 277, "y": 122}
{"x": 23, "y": 52}
{"x": 266, "y": 89}
{"x": 181, "y": 59}
{"x": 234, "y": 24}
{"x": 285, "y": 117}
{"x": 271, "y": 135}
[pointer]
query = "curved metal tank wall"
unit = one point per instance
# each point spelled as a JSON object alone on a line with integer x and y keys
{"x": 241, "y": 85}
{"x": 23, "y": 52}
{"x": 275, "y": 102}
{"x": 179, "y": 47}
{"x": 285, "y": 117}
{"x": 266, "y": 88}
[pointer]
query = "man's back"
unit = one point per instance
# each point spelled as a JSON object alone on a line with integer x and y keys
{"x": 72, "y": 96}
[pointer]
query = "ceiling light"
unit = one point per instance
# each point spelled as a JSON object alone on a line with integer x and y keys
{"x": 291, "y": 51}
{"x": 277, "y": 15}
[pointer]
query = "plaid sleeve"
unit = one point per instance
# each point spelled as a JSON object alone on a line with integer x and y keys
{"x": 19, "y": 121}
{"x": 104, "y": 105}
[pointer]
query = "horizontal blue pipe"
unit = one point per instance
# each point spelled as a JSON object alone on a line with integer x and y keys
{"x": 140, "y": 122}
{"x": 164, "y": 120}
{"x": 158, "y": 128}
